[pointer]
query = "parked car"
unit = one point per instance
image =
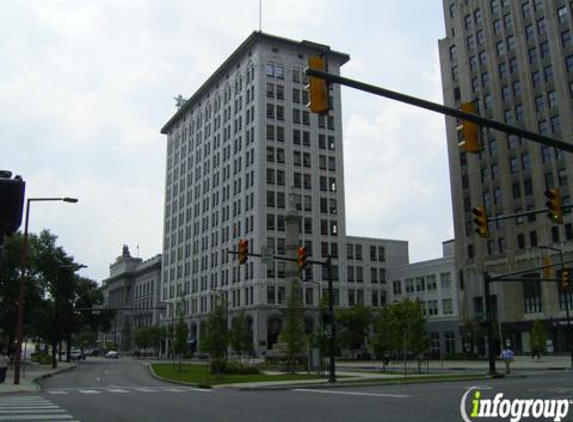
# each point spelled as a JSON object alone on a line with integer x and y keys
{"x": 112, "y": 354}
{"x": 76, "y": 354}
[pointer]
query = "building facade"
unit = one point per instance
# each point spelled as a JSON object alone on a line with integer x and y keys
{"x": 239, "y": 151}
{"x": 514, "y": 60}
{"x": 433, "y": 283}
{"x": 132, "y": 292}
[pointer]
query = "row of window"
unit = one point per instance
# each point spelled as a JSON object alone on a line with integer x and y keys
{"x": 419, "y": 284}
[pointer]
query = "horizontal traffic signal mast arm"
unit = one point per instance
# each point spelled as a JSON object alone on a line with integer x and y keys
{"x": 439, "y": 108}
{"x": 524, "y": 214}
{"x": 511, "y": 276}
{"x": 281, "y": 258}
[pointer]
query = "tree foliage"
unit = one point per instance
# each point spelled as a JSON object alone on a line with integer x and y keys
{"x": 293, "y": 334}
{"x": 354, "y": 327}
{"x": 538, "y": 337}
{"x": 400, "y": 328}
{"x": 239, "y": 336}
{"x": 53, "y": 291}
{"x": 215, "y": 340}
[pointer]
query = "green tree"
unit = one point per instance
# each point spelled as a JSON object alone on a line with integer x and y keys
{"x": 239, "y": 336}
{"x": 354, "y": 327}
{"x": 293, "y": 334}
{"x": 400, "y": 328}
{"x": 180, "y": 345}
{"x": 538, "y": 338}
{"x": 216, "y": 337}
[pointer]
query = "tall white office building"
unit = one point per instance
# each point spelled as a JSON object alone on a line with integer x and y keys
{"x": 240, "y": 150}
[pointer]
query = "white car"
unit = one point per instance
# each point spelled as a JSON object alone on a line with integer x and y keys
{"x": 112, "y": 354}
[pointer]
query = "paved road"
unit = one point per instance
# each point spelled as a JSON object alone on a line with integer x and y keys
{"x": 122, "y": 390}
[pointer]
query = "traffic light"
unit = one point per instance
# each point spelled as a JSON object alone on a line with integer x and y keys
{"x": 243, "y": 251}
{"x": 546, "y": 267}
{"x": 481, "y": 221}
{"x": 301, "y": 253}
{"x": 469, "y": 130}
{"x": 11, "y": 202}
{"x": 317, "y": 87}
{"x": 565, "y": 279}
{"x": 554, "y": 205}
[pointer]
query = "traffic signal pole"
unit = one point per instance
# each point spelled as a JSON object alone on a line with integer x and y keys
{"x": 489, "y": 324}
{"x": 331, "y": 326}
{"x": 439, "y": 108}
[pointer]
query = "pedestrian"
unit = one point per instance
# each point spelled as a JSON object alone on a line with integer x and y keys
{"x": 3, "y": 367}
{"x": 507, "y": 356}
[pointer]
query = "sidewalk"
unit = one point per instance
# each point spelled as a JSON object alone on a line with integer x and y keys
{"x": 450, "y": 366}
{"x": 29, "y": 373}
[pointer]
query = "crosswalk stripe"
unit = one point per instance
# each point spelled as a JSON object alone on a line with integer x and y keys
{"x": 35, "y": 417}
{"x": 32, "y": 409}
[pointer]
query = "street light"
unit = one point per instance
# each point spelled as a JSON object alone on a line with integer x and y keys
{"x": 171, "y": 306}
{"x": 566, "y": 299}
{"x": 21, "y": 287}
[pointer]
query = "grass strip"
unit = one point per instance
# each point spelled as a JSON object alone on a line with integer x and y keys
{"x": 199, "y": 374}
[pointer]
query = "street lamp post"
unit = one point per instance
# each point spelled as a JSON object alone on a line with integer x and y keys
{"x": 171, "y": 306}
{"x": 569, "y": 337}
{"x": 21, "y": 284}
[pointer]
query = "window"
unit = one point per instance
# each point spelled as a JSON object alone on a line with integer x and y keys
{"x": 447, "y": 306}
{"x": 529, "y": 33}
{"x": 532, "y": 295}
{"x": 526, "y": 9}
{"x": 445, "y": 281}
{"x": 541, "y": 26}
{"x": 566, "y": 39}
{"x": 552, "y": 99}
{"x": 500, "y": 48}
{"x": 569, "y": 64}
{"x": 496, "y": 26}
{"x": 544, "y": 49}
{"x": 397, "y": 287}
{"x": 562, "y": 14}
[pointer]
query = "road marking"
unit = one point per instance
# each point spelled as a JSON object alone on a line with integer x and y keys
{"x": 36, "y": 417}
{"x": 117, "y": 390}
{"x": 32, "y": 408}
{"x": 353, "y": 393}
{"x": 57, "y": 392}
{"x": 89, "y": 391}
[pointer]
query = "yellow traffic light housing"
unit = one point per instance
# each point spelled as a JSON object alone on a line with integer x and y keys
{"x": 243, "y": 251}
{"x": 554, "y": 205}
{"x": 481, "y": 221}
{"x": 301, "y": 254}
{"x": 565, "y": 279}
{"x": 546, "y": 259}
{"x": 317, "y": 87}
{"x": 469, "y": 130}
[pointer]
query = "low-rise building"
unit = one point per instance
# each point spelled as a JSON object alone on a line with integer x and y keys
{"x": 132, "y": 292}
{"x": 434, "y": 284}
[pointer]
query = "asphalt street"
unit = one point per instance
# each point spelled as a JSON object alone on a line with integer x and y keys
{"x": 122, "y": 390}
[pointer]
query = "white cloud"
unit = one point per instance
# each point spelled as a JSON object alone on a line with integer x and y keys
{"x": 85, "y": 87}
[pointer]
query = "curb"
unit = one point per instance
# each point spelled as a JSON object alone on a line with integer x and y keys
{"x": 35, "y": 385}
{"x": 172, "y": 381}
{"x": 365, "y": 383}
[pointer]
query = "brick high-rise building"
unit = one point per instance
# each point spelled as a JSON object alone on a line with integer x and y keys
{"x": 515, "y": 60}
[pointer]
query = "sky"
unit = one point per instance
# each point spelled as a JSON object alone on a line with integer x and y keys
{"x": 86, "y": 85}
